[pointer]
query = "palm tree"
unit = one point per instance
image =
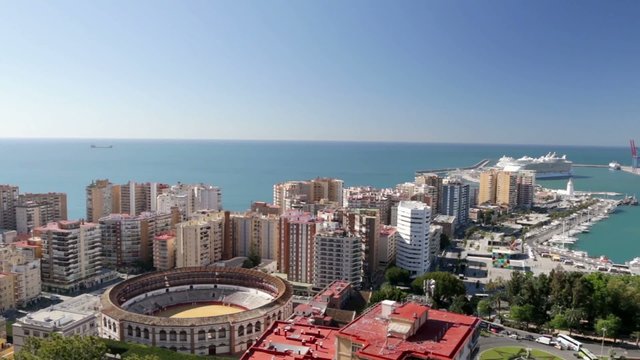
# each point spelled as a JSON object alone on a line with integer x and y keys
{"x": 573, "y": 317}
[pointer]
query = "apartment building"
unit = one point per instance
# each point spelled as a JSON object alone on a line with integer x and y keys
{"x": 256, "y": 233}
{"x": 366, "y": 197}
{"x": 454, "y": 200}
{"x": 386, "y": 247}
{"x": 19, "y": 262}
{"x": 189, "y": 198}
{"x": 338, "y": 255}
{"x": 199, "y": 241}
{"x": 53, "y": 205}
{"x": 103, "y": 198}
{"x": 295, "y": 194}
{"x": 365, "y": 223}
{"x": 297, "y": 234}
{"x": 128, "y": 239}
{"x": 8, "y": 202}
{"x": 164, "y": 251}
{"x": 71, "y": 255}
{"x": 509, "y": 189}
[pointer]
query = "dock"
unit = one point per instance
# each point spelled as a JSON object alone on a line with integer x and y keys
{"x": 591, "y": 165}
{"x": 627, "y": 169}
{"x": 479, "y": 165}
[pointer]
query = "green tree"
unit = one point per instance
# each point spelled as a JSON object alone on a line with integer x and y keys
{"x": 559, "y": 321}
{"x": 57, "y": 347}
{"x": 141, "y": 357}
{"x": 395, "y": 276}
{"x": 524, "y": 314}
{"x": 484, "y": 307}
{"x": 610, "y": 326}
{"x": 254, "y": 257}
{"x": 461, "y": 305}
{"x": 387, "y": 292}
{"x": 247, "y": 264}
{"x": 447, "y": 288}
{"x": 573, "y": 317}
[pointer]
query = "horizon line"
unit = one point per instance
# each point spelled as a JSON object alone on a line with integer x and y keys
{"x": 304, "y": 140}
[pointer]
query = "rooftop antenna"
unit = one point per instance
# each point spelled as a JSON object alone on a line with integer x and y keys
{"x": 429, "y": 287}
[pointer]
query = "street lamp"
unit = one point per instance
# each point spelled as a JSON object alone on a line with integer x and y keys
{"x": 604, "y": 331}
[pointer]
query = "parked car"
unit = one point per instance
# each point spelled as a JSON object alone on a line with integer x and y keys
{"x": 528, "y": 337}
{"x": 514, "y": 336}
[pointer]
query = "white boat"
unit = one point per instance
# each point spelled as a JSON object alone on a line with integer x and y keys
{"x": 562, "y": 239}
{"x": 547, "y": 166}
{"x": 614, "y": 165}
{"x": 635, "y": 263}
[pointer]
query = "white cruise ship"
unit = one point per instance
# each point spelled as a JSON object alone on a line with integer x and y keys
{"x": 548, "y": 166}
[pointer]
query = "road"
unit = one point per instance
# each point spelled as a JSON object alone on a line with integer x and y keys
{"x": 493, "y": 340}
{"x": 538, "y": 236}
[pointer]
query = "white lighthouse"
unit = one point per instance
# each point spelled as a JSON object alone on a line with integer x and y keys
{"x": 570, "y": 190}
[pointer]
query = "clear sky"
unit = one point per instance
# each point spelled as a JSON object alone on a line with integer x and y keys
{"x": 543, "y": 72}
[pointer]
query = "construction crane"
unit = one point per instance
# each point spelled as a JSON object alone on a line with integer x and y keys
{"x": 635, "y": 159}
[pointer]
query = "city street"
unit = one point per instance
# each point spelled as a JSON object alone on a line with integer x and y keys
{"x": 494, "y": 340}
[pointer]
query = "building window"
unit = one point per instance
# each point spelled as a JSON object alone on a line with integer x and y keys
{"x": 249, "y": 329}
{"x": 129, "y": 330}
{"x": 146, "y": 333}
{"x": 138, "y": 332}
{"x": 241, "y": 330}
{"x": 258, "y": 326}
{"x": 163, "y": 335}
{"x": 222, "y": 333}
{"x": 173, "y": 336}
{"x": 183, "y": 335}
{"x": 201, "y": 335}
{"x": 26, "y": 332}
{"x": 212, "y": 334}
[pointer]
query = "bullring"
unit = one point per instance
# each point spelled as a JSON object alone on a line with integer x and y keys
{"x": 196, "y": 310}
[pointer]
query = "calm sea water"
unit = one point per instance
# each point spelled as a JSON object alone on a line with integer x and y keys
{"x": 247, "y": 170}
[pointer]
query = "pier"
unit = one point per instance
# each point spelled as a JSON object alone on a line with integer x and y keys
{"x": 627, "y": 169}
{"x": 479, "y": 165}
{"x": 590, "y": 165}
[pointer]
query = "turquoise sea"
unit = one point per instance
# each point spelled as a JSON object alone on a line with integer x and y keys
{"x": 247, "y": 170}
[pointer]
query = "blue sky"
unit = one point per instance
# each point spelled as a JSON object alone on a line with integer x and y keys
{"x": 542, "y": 72}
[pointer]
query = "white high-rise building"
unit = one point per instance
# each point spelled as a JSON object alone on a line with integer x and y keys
{"x": 412, "y": 242}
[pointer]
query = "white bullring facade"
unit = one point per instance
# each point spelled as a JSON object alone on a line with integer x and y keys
{"x": 130, "y": 309}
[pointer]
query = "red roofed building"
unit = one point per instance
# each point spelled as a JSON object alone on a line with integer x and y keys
{"x": 392, "y": 331}
{"x": 284, "y": 341}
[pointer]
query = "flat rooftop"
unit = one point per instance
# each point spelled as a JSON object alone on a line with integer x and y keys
{"x": 284, "y": 341}
{"x": 440, "y": 337}
{"x": 65, "y": 313}
{"x": 335, "y": 290}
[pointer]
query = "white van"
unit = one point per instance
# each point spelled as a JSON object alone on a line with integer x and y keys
{"x": 544, "y": 340}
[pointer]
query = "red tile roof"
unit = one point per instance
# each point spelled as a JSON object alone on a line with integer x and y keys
{"x": 441, "y": 337}
{"x": 284, "y": 341}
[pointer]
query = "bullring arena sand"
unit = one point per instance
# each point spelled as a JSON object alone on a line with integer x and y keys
{"x": 199, "y": 310}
